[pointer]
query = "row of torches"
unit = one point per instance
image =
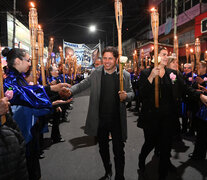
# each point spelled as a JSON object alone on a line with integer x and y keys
{"x": 33, "y": 23}
{"x": 190, "y": 53}
{"x": 37, "y": 50}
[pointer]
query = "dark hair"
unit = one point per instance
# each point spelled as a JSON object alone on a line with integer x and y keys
{"x": 12, "y": 54}
{"x": 161, "y": 48}
{"x": 112, "y": 50}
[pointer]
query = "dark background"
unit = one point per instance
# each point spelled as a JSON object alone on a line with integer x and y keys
{"x": 69, "y": 20}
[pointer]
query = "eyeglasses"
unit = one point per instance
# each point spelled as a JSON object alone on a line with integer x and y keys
{"x": 28, "y": 60}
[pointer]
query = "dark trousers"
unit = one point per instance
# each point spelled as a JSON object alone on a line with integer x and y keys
{"x": 55, "y": 134}
{"x": 118, "y": 149}
{"x": 32, "y": 154}
{"x": 201, "y": 140}
{"x": 160, "y": 135}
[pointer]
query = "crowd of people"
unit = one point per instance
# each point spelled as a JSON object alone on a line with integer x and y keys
{"x": 30, "y": 108}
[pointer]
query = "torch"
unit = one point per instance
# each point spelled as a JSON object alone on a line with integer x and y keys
{"x": 62, "y": 62}
{"x": 176, "y": 48}
{"x": 155, "y": 29}
{"x": 142, "y": 57}
{"x": 187, "y": 52}
{"x": 192, "y": 61}
{"x": 41, "y": 52}
{"x": 3, "y": 117}
{"x": 50, "y": 49}
{"x": 197, "y": 53}
{"x": 119, "y": 18}
{"x": 33, "y": 23}
{"x": 136, "y": 60}
{"x": 134, "y": 65}
{"x": 146, "y": 61}
{"x": 75, "y": 67}
{"x": 205, "y": 56}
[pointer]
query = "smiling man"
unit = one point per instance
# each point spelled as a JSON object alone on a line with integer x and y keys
{"x": 107, "y": 110}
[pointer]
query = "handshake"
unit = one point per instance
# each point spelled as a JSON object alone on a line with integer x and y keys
{"x": 63, "y": 91}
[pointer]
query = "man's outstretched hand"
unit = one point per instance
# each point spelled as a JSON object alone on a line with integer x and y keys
{"x": 58, "y": 87}
{"x": 64, "y": 93}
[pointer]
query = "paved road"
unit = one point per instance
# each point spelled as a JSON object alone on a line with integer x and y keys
{"x": 78, "y": 158}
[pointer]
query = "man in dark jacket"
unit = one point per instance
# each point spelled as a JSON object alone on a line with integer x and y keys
{"x": 12, "y": 148}
{"x": 107, "y": 110}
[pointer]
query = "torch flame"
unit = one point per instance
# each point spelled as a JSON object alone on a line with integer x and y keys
{"x": 51, "y": 39}
{"x": 186, "y": 45}
{"x": 32, "y": 4}
{"x": 39, "y": 26}
{"x": 191, "y": 50}
{"x": 153, "y": 9}
{"x": 60, "y": 47}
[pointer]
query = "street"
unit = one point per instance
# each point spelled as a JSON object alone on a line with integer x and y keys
{"x": 78, "y": 157}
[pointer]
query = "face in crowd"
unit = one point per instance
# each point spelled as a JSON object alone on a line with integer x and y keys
{"x": 22, "y": 64}
{"x": 109, "y": 62}
{"x": 69, "y": 52}
{"x": 173, "y": 64}
{"x": 202, "y": 67}
{"x": 97, "y": 63}
{"x": 187, "y": 68}
{"x": 18, "y": 59}
{"x": 54, "y": 71}
{"x": 164, "y": 57}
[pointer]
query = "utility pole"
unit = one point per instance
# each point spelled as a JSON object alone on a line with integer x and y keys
{"x": 14, "y": 24}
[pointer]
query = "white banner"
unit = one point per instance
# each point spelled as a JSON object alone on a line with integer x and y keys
{"x": 85, "y": 55}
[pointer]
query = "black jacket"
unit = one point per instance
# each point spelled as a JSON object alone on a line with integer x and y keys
{"x": 12, "y": 153}
{"x": 178, "y": 88}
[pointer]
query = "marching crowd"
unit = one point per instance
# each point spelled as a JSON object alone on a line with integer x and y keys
{"x": 30, "y": 108}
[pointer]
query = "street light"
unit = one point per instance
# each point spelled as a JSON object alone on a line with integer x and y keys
{"x": 92, "y": 28}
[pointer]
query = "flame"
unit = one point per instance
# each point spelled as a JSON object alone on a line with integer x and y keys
{"x": 191, "y": 50}
{"x": 51, "y": 39}
{"x": 32, "y": 4}
{"x": 186, "y": 45}
{"x": 175, "y": 37}
{"x": 206, "y": 52}
{"x": 135, "y": 51}
{"x": 39, "y": 27}
{"x": 60, "y": 47}
{"x": 153, "y": 9}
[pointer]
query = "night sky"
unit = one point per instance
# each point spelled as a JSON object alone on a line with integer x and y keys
{"x": 68, "y": 20}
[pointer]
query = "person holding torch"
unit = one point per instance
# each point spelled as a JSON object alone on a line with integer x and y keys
{"x": 107, "y": 110}
{"x": 159, "y": 123}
